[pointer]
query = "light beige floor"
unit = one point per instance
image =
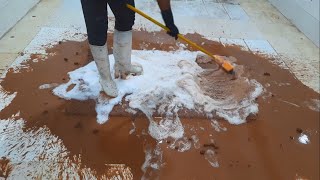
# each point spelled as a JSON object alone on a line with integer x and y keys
{"x": 16, "y": 40}
{"x": 255, "y": 24}
{"x": 294, "y": 48}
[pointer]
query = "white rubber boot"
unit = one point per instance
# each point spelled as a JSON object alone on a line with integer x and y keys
{"x": 100, "y": 55}
{"x": 122, "y": 45}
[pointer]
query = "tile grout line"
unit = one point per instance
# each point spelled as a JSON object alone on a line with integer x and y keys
{"x": 278, "y": 56}
{"x": 31, "y": 9}
{"x": 2, "y": 53}
{"x": 222, "y": 4}
{"x": 247, "y": 46}
{"x": 203, "y": 3}
{"x": 245, "y": 12}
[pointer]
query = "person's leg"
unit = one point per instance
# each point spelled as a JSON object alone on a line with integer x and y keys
{"x": 123, "y": 15}
{"x": 96, "y": 19}
{"x": 122, "y": 41}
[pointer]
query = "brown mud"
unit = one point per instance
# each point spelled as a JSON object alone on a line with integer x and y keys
{"x": 264, "y": 148}
{"x": 5, "y": 167}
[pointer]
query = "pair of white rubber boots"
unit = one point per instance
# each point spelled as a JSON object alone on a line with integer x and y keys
{"x": 122, "y": 45}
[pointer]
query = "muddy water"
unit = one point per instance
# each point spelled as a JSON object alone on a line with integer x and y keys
{"x": 264, "y": 148}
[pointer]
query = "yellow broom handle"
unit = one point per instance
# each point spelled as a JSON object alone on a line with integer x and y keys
{"x": 217, "y": 58}
{"x": 148, "y": 17}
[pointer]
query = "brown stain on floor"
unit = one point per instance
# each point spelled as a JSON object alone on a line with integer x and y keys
{"x": 260, "y": 149}
{"x": 5, "y": 167}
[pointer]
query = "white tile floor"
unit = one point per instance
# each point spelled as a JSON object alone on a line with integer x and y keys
{"x": 6, "y": 59}
{"x": 239, "y": 42}
{"x": 216, "y": 11}
{"x": 255, "y": 25}
{"x": 6, "y": 7}
{"x": 260, "y": 46}
{"x": 25, "y": 30}
{"x": 236, "y": 12}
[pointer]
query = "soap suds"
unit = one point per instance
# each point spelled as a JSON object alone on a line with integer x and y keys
{"x": 196, "y": 142}
{"x": 303, "y": 138}
{"x": 166, "y": 128}
{"x": 254, "y": 64}
{"x": 48, "y": 86}
{"x": 6, "y": 98}
{"x": 313, "y": 104}
{"x": 39, "y": 154}
{"x": 211, "y": 157}
{"x": 170, "y": 82}
{"x": 153, "y": 162}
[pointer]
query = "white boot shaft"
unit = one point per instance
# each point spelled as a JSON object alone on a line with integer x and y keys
{"x": 122, "y": 46}
{"x": 101, "y": 58}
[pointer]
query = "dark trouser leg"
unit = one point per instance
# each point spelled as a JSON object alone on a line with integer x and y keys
{"x": 95, "y": 14}
{"x": 96, "y": 18}
{"x": 123, "y": 15}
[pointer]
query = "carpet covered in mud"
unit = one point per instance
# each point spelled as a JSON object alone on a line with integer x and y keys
{"x": 180, "y": 120}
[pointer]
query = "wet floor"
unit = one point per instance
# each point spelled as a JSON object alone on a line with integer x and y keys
{"x": 266, "y": 147}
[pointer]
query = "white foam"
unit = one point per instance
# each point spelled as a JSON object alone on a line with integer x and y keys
{"x": 48, "y": 37}
{"x": 195, "y": 141}
{"x": 182, "y": 144}
{"x": 211, "y": 157}
{"x": 37, "y": 153}
{"x": 215, "y": 124}
{"x": 168, "y": 84}
{"x": 166, "y": 128}
{"x": 6, "y": 98}
{"x": 303, "y": 138}
{"x": 313, "y": 104}
{"x": 48, "y": 86}
{"x": 156, "y": 86}
{"x": 153, "y": 161}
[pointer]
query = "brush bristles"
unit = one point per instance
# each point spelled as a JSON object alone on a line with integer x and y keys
{"x": 227, "y": 67}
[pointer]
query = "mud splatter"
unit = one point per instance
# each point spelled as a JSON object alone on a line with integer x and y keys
{"x": 5, "y": 167}
{"x": 277, "y": 121}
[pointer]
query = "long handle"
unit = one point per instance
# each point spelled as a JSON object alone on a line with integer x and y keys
{"x": 225, "y": 65}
